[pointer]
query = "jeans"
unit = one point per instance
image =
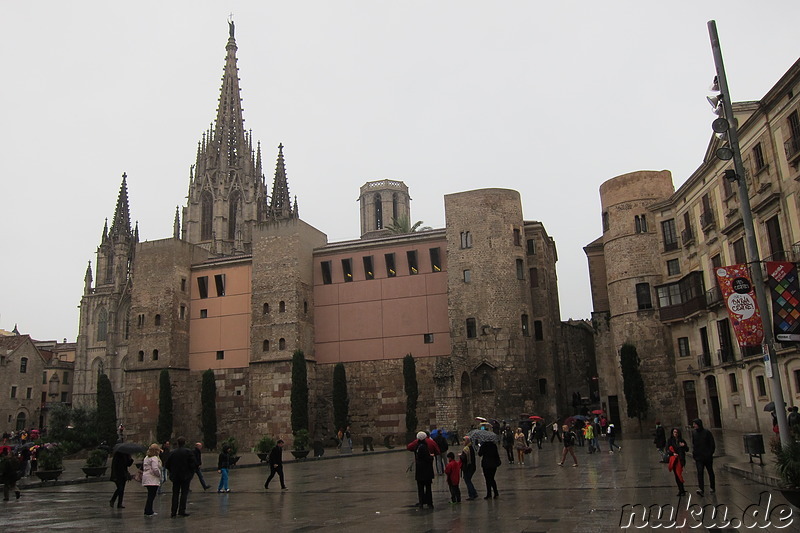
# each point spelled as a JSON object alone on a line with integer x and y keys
{"x": 201, "y": 478}
{"x": 223, "y": 480}
{"x": 471, "y": 491}
{"x": 702, "y": 465}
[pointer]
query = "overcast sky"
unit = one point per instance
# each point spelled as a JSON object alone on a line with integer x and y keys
{"x": 547, "y": 98}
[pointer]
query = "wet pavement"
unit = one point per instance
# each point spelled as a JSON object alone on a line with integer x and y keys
{"x": 375, "y": 491}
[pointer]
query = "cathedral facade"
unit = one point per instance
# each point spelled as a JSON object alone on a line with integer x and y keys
{"x": 243, "y": 283}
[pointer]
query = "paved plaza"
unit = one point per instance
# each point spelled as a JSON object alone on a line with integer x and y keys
{"x": 374, "y": 492}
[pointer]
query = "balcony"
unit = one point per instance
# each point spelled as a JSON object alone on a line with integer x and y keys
{"x": 707, "y": 220}
{"x": 683, "y": 310}
{"x": 704, "y": 361}
{"x": 792, "y": 149}
{"x": 687, "y": 235}
{"x": 726, "y": 355}
{"x": 714, "y": 297}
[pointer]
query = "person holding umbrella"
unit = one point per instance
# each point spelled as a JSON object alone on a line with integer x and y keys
{"x": 120, "y": 462}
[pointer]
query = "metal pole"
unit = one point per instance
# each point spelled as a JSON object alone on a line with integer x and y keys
{"x": 750, "y": 239}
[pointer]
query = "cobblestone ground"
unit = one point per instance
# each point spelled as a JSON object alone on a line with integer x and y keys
{"x": 375, "y": 492}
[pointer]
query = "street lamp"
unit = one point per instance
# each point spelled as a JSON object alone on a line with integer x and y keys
{"x": 729, "y": 129}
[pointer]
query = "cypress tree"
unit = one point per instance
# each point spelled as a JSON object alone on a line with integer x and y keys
{"x": 208, "y": 416}
{"x": 633, "y": 384}
{"x": 164, "y": 424}
{"x": 341, "y": 403}
{"x": 299, "y": 392}
{"x": 412, "y": 392}
{"x": 106, "y": 411}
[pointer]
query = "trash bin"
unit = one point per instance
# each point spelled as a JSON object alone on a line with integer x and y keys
{"x": 754, "y": 445}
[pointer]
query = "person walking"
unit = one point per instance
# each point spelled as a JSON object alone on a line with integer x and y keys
{"x": 660, "y": 440}
{"x": 468, "y": 467}
{"x": 275, "y": 461}
{"x": 439, "y": 459}
{"x": 508, "y": 442}
{"x": 598, "y": 431}
{"x": 223, "y": 464}
{"x": 151, "y": 476}
{"x": 538, "y": 433}
{"x": 703, "y": 447}
{"x": 10, "y": 472}
{"x": 424, "y": 450}
{"x": 555, "y": 433}
{"x": 181, "y": 467}
{"x": 676, "y": 448}
{"x": 588, "y": 434}
{"x": 611, "y": 431}
{"x": 198, "y": 460}
{"x": 453, "y": 473}
{"x": 569, "y": 442}
{"x": 520, "y": 443}
{"x": 490, "y": 461}
{"x": 120, "y": 476}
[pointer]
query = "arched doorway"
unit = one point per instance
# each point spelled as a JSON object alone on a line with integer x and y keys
{"x": 21, "y": 420}
{"x": 713, "y": 402}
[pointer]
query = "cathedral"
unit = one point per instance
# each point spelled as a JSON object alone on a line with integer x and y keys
{"x": 243, "y": 282}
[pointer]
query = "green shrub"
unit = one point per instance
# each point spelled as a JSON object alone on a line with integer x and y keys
{"x": 50, "y": 456}
{"x": 264, "y": 445}
{"x": 231, "y": 443}
{"x": 301, "y": 439}
{"x": 97, "y": 458}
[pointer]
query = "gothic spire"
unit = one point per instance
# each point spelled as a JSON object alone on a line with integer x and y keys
{"x": 176, "y": 226}
{"x": 229, "y": 134}
{"x": 281, "y": 203}
{"x": 87, "y": 279}
{"x": 122, "y": 219}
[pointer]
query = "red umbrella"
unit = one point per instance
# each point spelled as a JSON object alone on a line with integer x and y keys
{"x": 598, "y": 412}
{"x": 536, "y": 417}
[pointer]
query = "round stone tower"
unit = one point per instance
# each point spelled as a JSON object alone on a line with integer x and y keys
{"x": 383, "y": 202}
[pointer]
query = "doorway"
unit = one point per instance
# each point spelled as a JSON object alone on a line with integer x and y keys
{"x": 713, "y": 402}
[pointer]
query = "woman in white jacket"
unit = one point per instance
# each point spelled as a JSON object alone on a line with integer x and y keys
{"x": 151, "y": 477}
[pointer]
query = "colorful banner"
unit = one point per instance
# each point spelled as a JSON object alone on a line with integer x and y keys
{"x": 785, "y": 290}
{"x": 740, "y": 299}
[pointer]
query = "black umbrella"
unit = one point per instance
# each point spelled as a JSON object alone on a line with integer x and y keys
{"x": 769, "y": 407}
{"x": 479, "y": 436}
{"x": 130, "y": 448}
{"x": 28, "y": 445}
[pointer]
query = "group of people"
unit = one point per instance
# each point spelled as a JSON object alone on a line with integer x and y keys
{"x": 703, "y": 447}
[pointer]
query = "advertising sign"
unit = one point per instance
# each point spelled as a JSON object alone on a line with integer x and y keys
{"x": 784, "y": 292}
{"x": 740, "y": 299}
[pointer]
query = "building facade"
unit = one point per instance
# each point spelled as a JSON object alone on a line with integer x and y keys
{"x": 652, "y": 272}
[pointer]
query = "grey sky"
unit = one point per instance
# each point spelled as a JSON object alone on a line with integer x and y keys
{"x": 548, "y": 98}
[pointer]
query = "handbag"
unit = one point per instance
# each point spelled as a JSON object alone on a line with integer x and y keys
{"x": 528, "y": 449}
{"x": 138, "y": 476}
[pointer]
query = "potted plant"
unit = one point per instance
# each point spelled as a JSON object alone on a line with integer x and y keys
{"x": 301, "y": 440}
{"x": 51, "y": 461}
{"x": 234, "y": 448}
{"x": 263, "y": 447}
{"x": 787, "y": 463}
{"x": 95, "y": 463}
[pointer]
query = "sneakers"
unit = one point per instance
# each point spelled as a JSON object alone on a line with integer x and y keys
{"x": 700, "y": 492}
{"x": 560, "y": 464}
{"x": 575, "y": 464}
{"x": 610, "y": 451}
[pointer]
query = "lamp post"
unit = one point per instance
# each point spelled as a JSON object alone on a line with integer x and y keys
{"x": 770, "y": 364}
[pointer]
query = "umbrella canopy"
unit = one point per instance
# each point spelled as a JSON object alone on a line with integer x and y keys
{"x": 480, "y": 419}
{"x": 534, "y": 417}
{"x": 28, "y": 445}
{"x": 578, "y": 417}
{"x": 479, "y": 436}
{"x": 769, "y": 407}
{"x": 598, "y": 412}
{"x": 130, "y": 448}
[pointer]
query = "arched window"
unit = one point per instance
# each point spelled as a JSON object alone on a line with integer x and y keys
{"x": 155, "y": 355}
{"x": 266, "y": 309}
{"x": 234, "y": 208}
{"x": 23, "y": 365}
{"x": 206, "y": 215}
{"x": 282, "y": 307}
{"x": 395, "y": 213}
{"x": 109, "y": 268}
{"x": 486, "y": 382}
{"x": 157, "y": 320}
{"x": 265, "y": 346}
{"x": 102, "y": 324}
{"x": 282, "y": 344}
{"x": 141, "y": 355}
{"x": 378, "y": 212}
{"x": 21, "y": 421}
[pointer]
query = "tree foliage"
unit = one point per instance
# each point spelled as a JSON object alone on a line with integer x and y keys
{"x": 402, "y": 225}
{"x": 341, "y": 403}
{"x": 106, "y": 422}
{"x": 299, "y": 391}
{"x": 412, "y": 392}
{"x": 208, "y": 415}
{"x": 633, "y": 384}
{"x": 164, "y": 424}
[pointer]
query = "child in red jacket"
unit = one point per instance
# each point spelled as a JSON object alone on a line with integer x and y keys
{"x": 453, "y": 473}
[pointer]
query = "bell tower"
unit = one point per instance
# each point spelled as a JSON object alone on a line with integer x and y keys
{"x": 382, "y": 204}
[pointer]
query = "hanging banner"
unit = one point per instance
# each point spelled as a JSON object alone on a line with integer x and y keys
{"x": 784, "y": 290}
{"x": 740, "y": 299}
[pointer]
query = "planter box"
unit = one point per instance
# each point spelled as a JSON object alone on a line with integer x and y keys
{"x": 262, "y": 457}
{"x": 48, "y": 475}
{"x": 94, "y": 471}
{"x": 300, "y": 454}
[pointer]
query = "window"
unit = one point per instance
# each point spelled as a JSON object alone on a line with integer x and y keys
{"x": 155, "y": 355}
{"x": 65, "y": 381}
{"x": 204, "y": 313}
{"x": 282, "y": 307}
{"x": 739, "y": 255}
{"x": 266, "y": 309}
{"x": 234, "y": 208}
{"x": 157, "y": 320}
{"x": 64, "y": 397}
{"x": 23, "y": 365}
{"x": 732, "y": 381}
{"x": 606, "y": 225}
{"x": 670, "y": 235}
{"x": 183, "y": 284}
{"x": 28, "y": 393}
{"x": 102, "y": 325}
{"x": 640, "y": 223}
{"x": 758, "y": 157}
{"x": 206, "y": 215}
{"x": 688, "y": 233}
{"x": 538, "y": 333}
{"x": 520, "y": 269}
{"x": 305, "y": 307}
{"x": 265, "y": 346}
{"x": 797, "y": 381}
{"x": 390, "y": 271}
{"x": 326, "y": 272}
{"x": 411, "y": 256}
{"x": 219, "y": 281}
{"x": 427, "y": 338}
{"x": 542, "y": 386}
{"x": 534, "y": 275}
{"x": 673, "y": 267}
{"x": 683, "y": 346}
{"x": 466, "y": 239}
{"x": 467, "y": 276}
{"x": 281, "y": 344}
{"x": 775, "y": 239}
{"x": 13, "y": 391}
{"x": 725, "y": 344}
{"x": 109, "y": 268}
{"x": 141, "y": 356}
{"x": 525, "y": 327}
{"x": 472, "y": 329}
{"x": 643, "y": 298}
{"x": 347, "y": 269}
{"x": 436, "y": 263}
{"x": 182, "y": 313}
{"x": 531, "y": 246}
{"x": 44, "y": 378}
{"x": 220, "y": 355}
{"x": 369, "y": 269}
{"x": 202, "y": 286}
{"x": 378, "y": 212}
{"x": 140, "y": 320}
{"x": 727, "y": 190}
{"x": 517, "y": 237}
{"x": 761, "y": 386}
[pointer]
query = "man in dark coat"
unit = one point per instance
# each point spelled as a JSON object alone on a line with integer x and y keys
{"x": 181, "y": 466}
{"x": 275, "y": 460}
{"x": 424, "y": 450}
{"x": 703, "y": 447}
{"x": 489, "y": 463}
{"x": 198, "y": 461}
{"x": 9, "y": 473}
{"x": 120, "y": 476}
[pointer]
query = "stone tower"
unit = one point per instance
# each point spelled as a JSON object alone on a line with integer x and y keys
{"x": 105, "y": 308}
{"x": 382, "y": 203}
{"x": 227, "y": 191}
